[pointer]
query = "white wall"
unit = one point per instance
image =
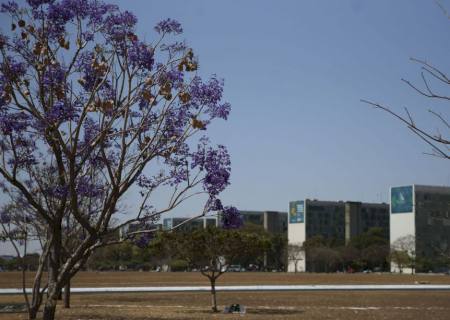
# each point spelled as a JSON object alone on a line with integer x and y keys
{"x": 402, "y": 224}
{"x": 297, "y": 235}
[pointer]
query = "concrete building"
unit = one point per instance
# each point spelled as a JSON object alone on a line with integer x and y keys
{"x": 422, "y": 213}
{"x": 169, "y": 223}
{"x": 271, "y": 221}
{"x": 335, "y": 220}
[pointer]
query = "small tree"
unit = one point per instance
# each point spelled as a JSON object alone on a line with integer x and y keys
{"x": 403, "y": 252}
{"x": 296, "y": 253}
{"x": 212, "y": 250}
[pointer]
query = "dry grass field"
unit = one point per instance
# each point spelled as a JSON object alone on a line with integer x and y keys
{"x": 117, "y": 279}
{"x": 260, "y": 305}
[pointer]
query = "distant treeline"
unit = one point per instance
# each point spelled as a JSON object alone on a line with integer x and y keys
{"x": 367, "y": 251}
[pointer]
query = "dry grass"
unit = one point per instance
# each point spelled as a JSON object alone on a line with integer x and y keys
{"x": 261, "y": 305}
{"x": 111, "y": 279}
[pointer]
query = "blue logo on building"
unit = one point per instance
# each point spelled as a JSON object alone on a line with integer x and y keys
{"x": 297, "y": 211}
{"x": 402, "y": 199}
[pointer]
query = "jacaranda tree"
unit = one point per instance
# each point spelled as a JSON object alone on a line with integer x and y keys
{"x": 89, "y": 113}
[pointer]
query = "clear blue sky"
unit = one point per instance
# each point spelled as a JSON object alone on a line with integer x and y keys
{"x": 294, "y": 73}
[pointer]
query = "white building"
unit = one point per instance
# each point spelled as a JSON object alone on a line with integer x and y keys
{"x": 420, "y": 214}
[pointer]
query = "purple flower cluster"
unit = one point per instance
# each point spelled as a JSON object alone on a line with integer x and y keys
{"x": 209, "y": 94}
{"x": 4, "y": 96}
{"x": 175, "y": 122}
{"x": 169, "y": 26}
{"x": 5, "y": 216}
{"x": 87, "y": 188}
{"x": 14, "y": 122}
{"x": 60, "y": 13}
{"x": 174, "y": 77}
{"x": 12, "y": 69}
{"x": 9, "y": 7}
{"x": 53, "y": 77}
{"x": 143, "y": 240}
{"x": 57, "y": 191}
{"x": 141, "y": 56}
{"x": 231, "y": 218}
{"x": 214, "y": 204}
{"x": 119, "y": 25}
{"x": 37, "y": 3}
{"x": 146, "y": 182}
{"x": 84, "y": 66}
{"x": 62, "y": 112}
{"x": 91, "y": 130}
{"x": 217, "y": 164}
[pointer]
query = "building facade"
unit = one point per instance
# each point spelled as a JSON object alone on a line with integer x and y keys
{"x": 272, "y": 221}
{"x": 180, "y": 223}
{"x": 422, "y": 215}
{"x": 333, "y": 220}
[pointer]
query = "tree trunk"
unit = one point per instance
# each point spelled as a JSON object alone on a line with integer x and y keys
{"x": 67, "y": 295}
{"x": 213, "y": 295}
{"x": 32, "y": 313}
{"x": 53, "y": 289}
{"x": 50, "y": 307}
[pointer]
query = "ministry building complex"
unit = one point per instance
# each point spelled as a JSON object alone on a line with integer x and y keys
{"x": 418, "y": 213}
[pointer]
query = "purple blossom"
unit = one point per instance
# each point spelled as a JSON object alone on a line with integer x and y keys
{"x": 4, "y": 96}
{"x": 143, "y": 240}
{"x": 57, "y": 191}
{"x": 22, "y": 160}
{"x": 214, "y": 204}
{"x": 5, "y": 216}
{"x": 231, "y": 218}
{"x": 141, "y": 56}
{"x": 209, "y": 94}
{"x": 37, "y": 3}
{"x": 13, "y": 69}
{"x": 9, "y": 7}
{"x": 217, "y": 164}
{"x": 219, "y": 111}
{"x": 62, "y": 112}
{"x": 91, "y": 130}
{"x": 89, "y": 189}
{"x": 146, "y": 182}
{"x": 84, "y": 65}
{"x": 175, "y": 122}
{"x": 14, "y": 122}
{"x": 54, "y": 76}
{"x": 3, "y": 40}
{"x": 59, "y": 15}
{"x": 118, "y": 25}
{"x": 169, "y": 26}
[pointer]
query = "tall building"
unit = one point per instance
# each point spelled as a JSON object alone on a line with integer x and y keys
{"x": 271, "y": 221}
{"x": 337, "y": 220}
{"x": 422, "y": 212}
